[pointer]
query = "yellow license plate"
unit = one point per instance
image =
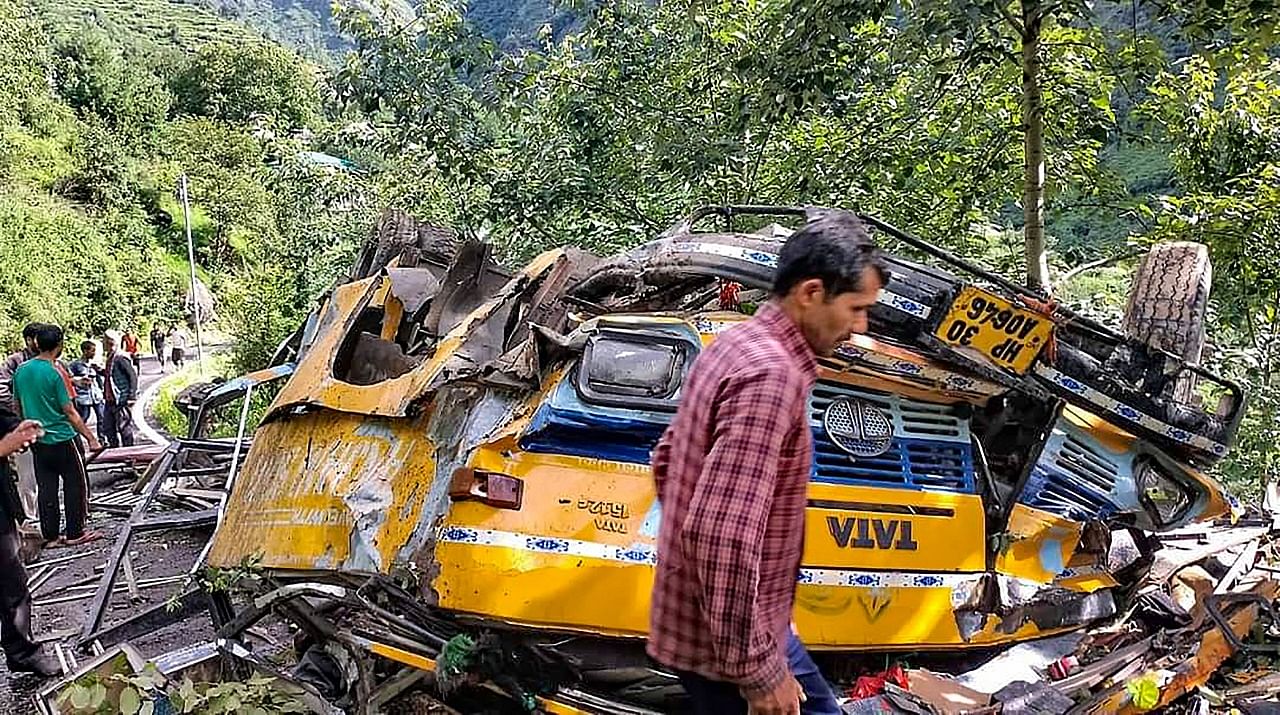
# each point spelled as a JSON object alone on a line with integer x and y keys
{"x": 1008, "y": 336}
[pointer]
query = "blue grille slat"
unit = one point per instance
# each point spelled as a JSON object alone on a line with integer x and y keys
{"x": 930, "y": 448}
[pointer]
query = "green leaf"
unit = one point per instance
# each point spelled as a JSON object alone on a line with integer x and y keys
{"x": 98, "y": 695}
{"x": 1144, "y": 693}
{"x": 81, "y": 696}
{"x": 148, "y": 708}
{"x": 130, "y": 701}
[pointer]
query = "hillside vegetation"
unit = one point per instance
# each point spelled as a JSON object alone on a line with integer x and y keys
{"x": 150, "y": 24}
{"x": 101, "y": 110}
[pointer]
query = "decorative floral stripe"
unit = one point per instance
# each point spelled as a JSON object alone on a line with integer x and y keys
{"x": 904, "y": 304}
{"x": 1114, "y": 406}
{"x": 646, "y": 555}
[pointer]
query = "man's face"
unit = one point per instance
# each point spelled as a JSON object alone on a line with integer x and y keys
{"x": 109, "y": 345}
{"x": 826, "y": 320}
{"x": 31, "y": 345}
{"x": 90, "y": 351}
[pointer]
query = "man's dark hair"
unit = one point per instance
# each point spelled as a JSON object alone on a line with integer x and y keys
{"x": 31, "y": 330}
{"x": 85, "y": 345}
{"x": 48, "y": 337}
{"x": 834, "y": 247}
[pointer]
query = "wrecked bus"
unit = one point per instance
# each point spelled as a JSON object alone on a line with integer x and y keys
{"x": 462, "y": 451}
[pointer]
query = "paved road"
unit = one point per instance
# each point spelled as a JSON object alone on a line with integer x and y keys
{"x": 149, "y": 375}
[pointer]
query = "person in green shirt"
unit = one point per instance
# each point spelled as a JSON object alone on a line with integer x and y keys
{"x": 42, "y": 393}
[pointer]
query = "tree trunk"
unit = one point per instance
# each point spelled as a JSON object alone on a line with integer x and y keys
{"x": 1033, "y": 148}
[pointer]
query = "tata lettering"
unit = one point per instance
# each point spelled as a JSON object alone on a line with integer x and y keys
{"x": 860, "y": 533}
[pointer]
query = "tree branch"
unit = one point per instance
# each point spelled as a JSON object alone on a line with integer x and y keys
{"x": 1010, "y": 18}
{"x": 1100, "y": 263}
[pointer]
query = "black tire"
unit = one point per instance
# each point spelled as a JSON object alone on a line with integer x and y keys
{"x": 1168, "y": 302}
{"x": 396, "y": 231}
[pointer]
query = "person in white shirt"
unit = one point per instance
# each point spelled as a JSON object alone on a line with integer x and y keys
{"x": 177, "y": 346}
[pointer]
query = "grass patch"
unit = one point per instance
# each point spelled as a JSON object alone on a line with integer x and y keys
{"x": 172, "y": 419}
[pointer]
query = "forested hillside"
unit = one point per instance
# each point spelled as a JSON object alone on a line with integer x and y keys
{"x": 1159, "y": 123}
{"x": 102, "y": 108}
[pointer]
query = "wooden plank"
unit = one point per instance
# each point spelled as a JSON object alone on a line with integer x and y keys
{"x": 131, "y": 581}
{"x": 1242, "y": 565}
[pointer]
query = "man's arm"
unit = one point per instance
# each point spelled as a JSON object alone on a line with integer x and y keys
{"x": 69, "y": 409}
{"x": 7, "y": 368}
{"x": 724, "y": 529}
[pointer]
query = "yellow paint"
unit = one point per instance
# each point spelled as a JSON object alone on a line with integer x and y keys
{"x": 1088, "y": 583}
{"x": 400, "y": 655}
{"x": 556, "y": 708}
{"x": 314, "y": 383}
{"x": 969, "y": 327}
{"x": 393, "y": 315}
{"x": 574, "y": 497}
{"x": 1040, "y": 544}
{"x": 290, "y": 498}
{"x": 1108, "y": 435}
{"x": 945, "y": 543}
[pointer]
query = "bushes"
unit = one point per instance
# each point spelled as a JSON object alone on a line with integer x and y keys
{"x": 59, "y": 266}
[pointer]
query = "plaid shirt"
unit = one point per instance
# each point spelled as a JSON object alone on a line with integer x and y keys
{"x": 732, "y": 471}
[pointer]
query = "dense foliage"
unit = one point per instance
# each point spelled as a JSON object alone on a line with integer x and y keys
{"x": 96, "y": 128}
{"x": 608, "y": 134}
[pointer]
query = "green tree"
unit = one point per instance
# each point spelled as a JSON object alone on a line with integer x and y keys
{"x": 239, "y": 82}
{"x": 1224, "y": 122}
{"x": 96, "y": 79}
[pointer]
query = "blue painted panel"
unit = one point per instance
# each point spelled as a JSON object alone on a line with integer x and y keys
{"x": 1077, "y": 478}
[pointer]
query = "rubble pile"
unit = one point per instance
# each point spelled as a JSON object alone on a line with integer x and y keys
{"x": 1198, "y": 634}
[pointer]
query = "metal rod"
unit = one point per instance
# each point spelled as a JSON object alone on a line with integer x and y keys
{"x": 40, "y": 580}
{"x": 191, "y": 260}
{"x": 231, "y": 479}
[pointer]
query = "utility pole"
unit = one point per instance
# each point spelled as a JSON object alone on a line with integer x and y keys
{"x": 191, "y": 261}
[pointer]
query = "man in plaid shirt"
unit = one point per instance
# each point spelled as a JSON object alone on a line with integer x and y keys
{"x": 732, "y": 471}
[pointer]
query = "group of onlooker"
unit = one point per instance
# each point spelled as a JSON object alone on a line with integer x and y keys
{"x": 45, "y": 404}
{"x": 175, "y": 340}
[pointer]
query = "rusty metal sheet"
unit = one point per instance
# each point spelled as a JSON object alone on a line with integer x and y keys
{"x": 314, "y": 382}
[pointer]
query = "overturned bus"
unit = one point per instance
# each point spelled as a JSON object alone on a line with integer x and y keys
{"x": 461, "y": 453}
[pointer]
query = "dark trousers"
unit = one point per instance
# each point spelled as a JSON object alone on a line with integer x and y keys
{"x": 95, "y": 410}
{"x": 714, "y": 697}
{"x": 15, "y": 599}
{"x": 61, "y": 462}
{"x": 119, "y": 424}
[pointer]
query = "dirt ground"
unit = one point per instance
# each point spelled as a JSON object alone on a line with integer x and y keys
{"x": 154, "y": 556}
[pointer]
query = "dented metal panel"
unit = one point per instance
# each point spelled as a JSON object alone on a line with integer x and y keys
{"x": 346, "y": 495}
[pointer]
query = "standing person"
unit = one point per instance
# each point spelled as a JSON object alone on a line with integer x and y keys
{"x": 732, "y": 472}
{"x": 22, "y": 654}
{"x": 131, "y": 347}
{"x": 88, "y": 381}
{"x": 42, "y": 395}
{"x": 178, "y": 344}
{"x": 12, "y": 362}
{"x": 120, "y": 389}
{"x": 157, "y": 344}
{"x": 23, "y": 464}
